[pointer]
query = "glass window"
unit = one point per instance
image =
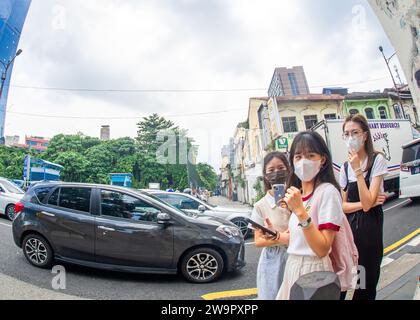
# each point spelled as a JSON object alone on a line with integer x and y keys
{"x": 10, "y": 187}
{"x": 289, "y": 124}
{"x": 354, "y": 112}
{"x": 369, "y": 113}
{"x": 293, "y": 83}
{"x": 330, "y": 116}
{"x": 397, "y": 111}
{"x": 411, "y": 154}
{"x": 41, "y": 193}
{"x": 179, "y": 201}
{"x": 75, "y": 198}
{"x": 53, "y": 200}
{"x": 382, "y": 113}
{"x": 310, "y": 121}
{"x": 120, "y": 205}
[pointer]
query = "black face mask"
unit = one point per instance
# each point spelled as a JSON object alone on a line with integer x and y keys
{"x": 277, "y": 177}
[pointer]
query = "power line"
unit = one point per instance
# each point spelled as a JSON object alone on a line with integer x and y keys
{"x": 123, "y": 118}
{"x": 177, "y": 90}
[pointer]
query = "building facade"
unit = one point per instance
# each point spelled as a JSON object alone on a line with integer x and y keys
{"x": 105, "y": 132}
{"x": 293, "y": 114}
{"x": 288, "y": 82}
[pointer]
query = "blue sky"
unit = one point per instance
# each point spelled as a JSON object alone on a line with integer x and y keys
{"x": 183, "y": 44}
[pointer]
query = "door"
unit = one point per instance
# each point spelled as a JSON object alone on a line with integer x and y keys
{"x": 67, "y": 221}
{"x": 127, "y": 232}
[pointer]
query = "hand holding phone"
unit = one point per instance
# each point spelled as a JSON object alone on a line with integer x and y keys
{"x": 279, "y": 192}
{"x": 265, "y": 230}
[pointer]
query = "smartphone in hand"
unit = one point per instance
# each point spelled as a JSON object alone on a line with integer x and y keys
{"x": 279, "y": 192}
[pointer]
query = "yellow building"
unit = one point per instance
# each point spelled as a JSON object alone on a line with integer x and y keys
{"x": 292, "y": 114}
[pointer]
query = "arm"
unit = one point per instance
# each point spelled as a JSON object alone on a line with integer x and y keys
{"x": 262, "y": 241}
{"x": 350, "y": 207}
{"x": 368, "y": 196}
{"x": 319, "y": 241}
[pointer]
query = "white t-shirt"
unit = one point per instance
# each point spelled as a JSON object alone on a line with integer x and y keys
{"x": 267, "y": 208}
{"x": 379, "y": 168}
{"x": 325, "y": 209}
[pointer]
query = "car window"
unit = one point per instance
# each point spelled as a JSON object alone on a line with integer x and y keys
{"x": 179, "y": 201}
{"x": 121, "y": 205}
{"x": 42, "y": 193}
{"x": 411, "y": 153}
{"x": 10, "y": 187}
{"x": 53, "y": 199}
{"x": 75, "y": 198}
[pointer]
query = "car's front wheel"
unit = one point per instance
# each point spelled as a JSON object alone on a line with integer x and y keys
{"x": 37, "y": 251}
{"x": 243, "y": 226}
{"x": 10, "y": 212}
{"x": 202, "y": 265}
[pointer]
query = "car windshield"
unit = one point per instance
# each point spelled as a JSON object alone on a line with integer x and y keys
{"x": 11, "y": 187}
{"x": 188, "y": 214}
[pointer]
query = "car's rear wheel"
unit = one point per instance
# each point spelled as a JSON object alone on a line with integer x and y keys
{"x": 243, "y": 226}
{"x": 202, "y": 265}
{"x": 37, "y": 251}
{"x": 10, "y": 212}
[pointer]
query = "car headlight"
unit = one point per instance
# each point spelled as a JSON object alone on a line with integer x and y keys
{"x": 228, "y": 231}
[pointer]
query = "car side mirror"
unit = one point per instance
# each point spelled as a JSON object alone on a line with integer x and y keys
{"x": 202, "y": 208}
{"x": 163, "y": 219}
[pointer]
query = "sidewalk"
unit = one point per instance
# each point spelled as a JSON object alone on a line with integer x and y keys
{"x": 225, "y": 202}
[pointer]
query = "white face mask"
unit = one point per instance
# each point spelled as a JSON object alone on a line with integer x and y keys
{"x": 306, "y": 170}
{"x": 354, "y": 143}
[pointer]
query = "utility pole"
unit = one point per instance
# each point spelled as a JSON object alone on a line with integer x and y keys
{"x": 381, "y": 49}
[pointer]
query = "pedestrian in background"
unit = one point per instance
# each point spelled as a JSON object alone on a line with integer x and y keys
{"x": 362, "y": 183}
{"x": 313, "y": 197}
{"x": 266, "y": 212}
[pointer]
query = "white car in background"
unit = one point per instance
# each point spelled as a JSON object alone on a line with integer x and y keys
{"x": 410, "y": 171}
{"x": 10, "y": 194}
{"x": 189, "y": 203}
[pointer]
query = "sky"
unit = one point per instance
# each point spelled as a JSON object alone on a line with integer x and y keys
{"x": 189, "y": 45}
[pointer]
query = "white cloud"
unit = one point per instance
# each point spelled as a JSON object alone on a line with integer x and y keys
{"x": 183, "y": 44}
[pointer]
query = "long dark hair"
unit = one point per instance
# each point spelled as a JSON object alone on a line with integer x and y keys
{"x": 364, "y": 125}
{"x": 279, "y": 155}
{"x": 307, "y": 142}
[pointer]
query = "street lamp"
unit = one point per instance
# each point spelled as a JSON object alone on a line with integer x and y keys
{"x": 387, "y": 60}
{"x": 6, "y": 68}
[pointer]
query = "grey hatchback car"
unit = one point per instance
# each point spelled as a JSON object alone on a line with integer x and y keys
{"x": 122, "y": 229}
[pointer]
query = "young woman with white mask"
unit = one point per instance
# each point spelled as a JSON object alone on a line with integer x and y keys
{"x": 314, "y": 199}
{"x": 266, "y": 212}
{"x": 362, "y": 183}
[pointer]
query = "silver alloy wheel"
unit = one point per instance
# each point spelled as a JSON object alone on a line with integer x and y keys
{"x": 36, "y": 251}
{"x": 243, "y": 226}
{"x": 202, "y": 266}
{"x": 10, "y": 212}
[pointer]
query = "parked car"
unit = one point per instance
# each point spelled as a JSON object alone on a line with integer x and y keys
{"x": 122, "y": 229}
{"x": 410, "y": 171}
{"x": 191, "y": 204}
{"x": 10, "y": 194}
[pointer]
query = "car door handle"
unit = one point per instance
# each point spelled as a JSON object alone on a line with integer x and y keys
{"x": 105, "y": 228}
{"x": 48, "y": 214}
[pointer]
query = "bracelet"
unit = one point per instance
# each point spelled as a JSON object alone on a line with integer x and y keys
{"x": 357, "y": 170}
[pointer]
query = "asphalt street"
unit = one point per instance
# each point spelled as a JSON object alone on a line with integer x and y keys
{"x": 402, "y": 217}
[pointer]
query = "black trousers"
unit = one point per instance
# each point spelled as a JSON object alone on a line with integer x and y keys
{"x": 368, "y": 236}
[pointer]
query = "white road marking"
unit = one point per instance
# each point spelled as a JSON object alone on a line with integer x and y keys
{"x": 386, "y": 261}
{"x": 397, "y": 205}
{"x": 415, "y": 242}
{"x": 249, "y": 243}
{"x": 6, "y": 225}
